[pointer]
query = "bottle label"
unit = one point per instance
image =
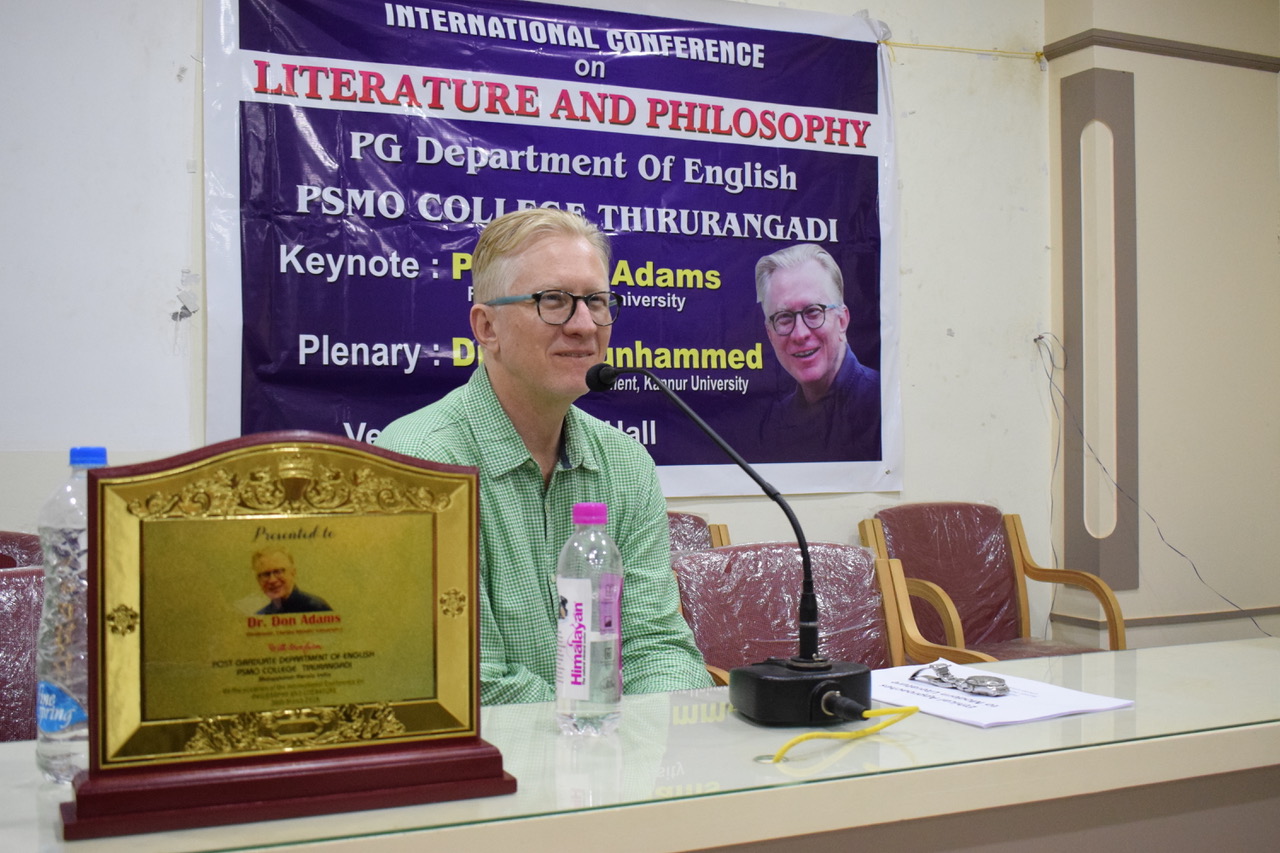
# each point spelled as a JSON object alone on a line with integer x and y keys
{"x": 56, "y": 709}
{"x": 573, "y": 670}
{"x": 611, "y": 621}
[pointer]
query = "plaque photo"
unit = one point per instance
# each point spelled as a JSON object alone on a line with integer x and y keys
{"x": 282, "y": 624}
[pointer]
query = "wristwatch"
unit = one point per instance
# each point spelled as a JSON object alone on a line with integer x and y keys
{"x": 979, "y": 685}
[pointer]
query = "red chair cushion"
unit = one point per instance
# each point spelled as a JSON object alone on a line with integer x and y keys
{"x": 742, "y": 602}
{"x": 964, "y": 549}
{"x": 19, "y": 549}
{"x": 21, "y": 599}
{"x": 689, "y": 532}
{"x": 1030, "y": 647}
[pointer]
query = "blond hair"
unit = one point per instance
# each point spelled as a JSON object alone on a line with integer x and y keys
{"x": 269, "y": 549}
{"x": 505, "y": 238}
{"x": 794, "y": 256}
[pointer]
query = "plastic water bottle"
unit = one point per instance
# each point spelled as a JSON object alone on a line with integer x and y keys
{"x": 62, "y": 720}
{"x": 589, "y": 663}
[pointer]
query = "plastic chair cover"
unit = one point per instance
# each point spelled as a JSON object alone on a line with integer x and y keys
{"x": 21, "y": 598}
{"x": 19, "y": 549}
{"x": 742, "y": 602}
{"x": 964, "y": 548}
{"x": 689, "y": 532}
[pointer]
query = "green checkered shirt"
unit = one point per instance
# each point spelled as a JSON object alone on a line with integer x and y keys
{"x": 523, "y": 526}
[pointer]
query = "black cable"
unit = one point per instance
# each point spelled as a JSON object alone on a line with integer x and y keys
{"x": 837, "y": 704}
{"x": 1079, "y": 428}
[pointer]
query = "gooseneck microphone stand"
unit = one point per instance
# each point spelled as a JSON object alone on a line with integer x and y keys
{"x": 801, "y": 690}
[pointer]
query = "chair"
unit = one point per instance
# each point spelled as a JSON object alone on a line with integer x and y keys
{"x": 19, "y": 549}
{"x": 21, "y": 598}
{"x": 974, "y": 560}
{"x": 742, "y": 602}
{"x": 691, "y": 532}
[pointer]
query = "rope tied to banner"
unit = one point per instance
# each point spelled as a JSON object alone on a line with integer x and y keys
{"x": 1038, "y": 55}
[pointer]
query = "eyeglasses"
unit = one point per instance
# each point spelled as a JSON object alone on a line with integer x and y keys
{"x": 784, "y": 322}
{"x": 556, "y": 307}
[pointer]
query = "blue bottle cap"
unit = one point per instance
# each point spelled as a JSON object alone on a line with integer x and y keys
{"x": 88, "y": 457}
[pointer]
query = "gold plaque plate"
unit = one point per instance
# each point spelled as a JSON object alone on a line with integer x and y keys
{"x": 282, "y": 593}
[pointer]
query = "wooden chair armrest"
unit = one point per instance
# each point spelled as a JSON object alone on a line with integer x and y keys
{"x": 916, "y": 647}
{"x": 921, "y": 650}
{"x": 942, "y": 604}
{"x": 871, "y": 532}
{"x": 1094, "y": 584}
{"x": 1100, "y": 589}
{"x": 719, "y": 535}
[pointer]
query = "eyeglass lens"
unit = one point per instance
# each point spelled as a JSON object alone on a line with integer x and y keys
{"x": 557, "y": 306}
{"x": 784, "y": 322}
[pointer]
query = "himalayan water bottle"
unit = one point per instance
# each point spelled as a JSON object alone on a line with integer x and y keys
{"x": 589, "y": 663}
{"x": 62, "y": 720}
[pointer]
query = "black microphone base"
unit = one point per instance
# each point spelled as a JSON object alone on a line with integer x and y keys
{"x": 778, "y": 693}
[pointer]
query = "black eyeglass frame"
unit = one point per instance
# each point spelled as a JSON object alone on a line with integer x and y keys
{"x": 612, "y": 302}
{"x": 822, "y": 318}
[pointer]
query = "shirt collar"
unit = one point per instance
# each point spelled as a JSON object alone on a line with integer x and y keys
{"x": 508, "y": 451}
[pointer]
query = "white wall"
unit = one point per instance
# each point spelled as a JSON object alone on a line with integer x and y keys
{"x": 1208, "y": 272}
{"x": 99, "y": 225}
{"x": 101, "y": 229}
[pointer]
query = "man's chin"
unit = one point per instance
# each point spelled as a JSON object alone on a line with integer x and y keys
{"x": 573, "y": 380}
{"x": 805, "y": 375}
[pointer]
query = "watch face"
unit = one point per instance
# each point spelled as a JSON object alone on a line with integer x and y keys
{"x": 987, "y": 685}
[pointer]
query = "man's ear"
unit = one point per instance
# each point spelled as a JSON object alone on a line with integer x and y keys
{"x": 482, "y": 327}
{"x": 842, "y": 316}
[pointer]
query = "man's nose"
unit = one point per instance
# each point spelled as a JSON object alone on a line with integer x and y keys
{"x": 580, "y": 318}
{"x": 801, "y": 332}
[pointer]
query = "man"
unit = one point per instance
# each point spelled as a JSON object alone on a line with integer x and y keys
{"x": 541, "y": 316}
{"x": 278, "y": 577}
{"x": 834, "y": 412}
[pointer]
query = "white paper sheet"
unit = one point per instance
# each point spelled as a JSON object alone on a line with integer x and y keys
{"x": 1026, "y": 701}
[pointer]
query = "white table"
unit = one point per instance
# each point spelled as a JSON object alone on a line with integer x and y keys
{"x": 681, "y": 773}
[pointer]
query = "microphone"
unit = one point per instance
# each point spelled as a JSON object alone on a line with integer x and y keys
{"x": 802, "y": 690}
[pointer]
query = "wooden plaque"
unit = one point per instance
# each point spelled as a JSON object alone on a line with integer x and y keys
{"x": 280, "y": 625}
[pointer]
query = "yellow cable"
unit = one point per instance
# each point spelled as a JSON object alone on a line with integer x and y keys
{"x": 1037, "y": 55}
{"x": 898, "y": 715}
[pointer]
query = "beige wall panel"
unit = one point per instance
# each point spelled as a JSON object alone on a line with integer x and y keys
{"x": 1252, "y": 26}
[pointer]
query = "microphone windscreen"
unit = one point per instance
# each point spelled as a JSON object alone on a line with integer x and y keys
{"x": 600, "y": 377}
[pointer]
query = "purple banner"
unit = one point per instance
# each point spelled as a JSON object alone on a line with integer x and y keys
{"x": 374, "y": 140}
